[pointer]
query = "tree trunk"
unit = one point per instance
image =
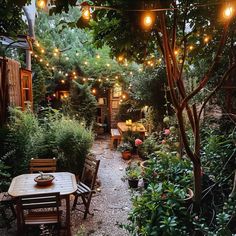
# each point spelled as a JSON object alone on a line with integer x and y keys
{"x": 197, "y": 174}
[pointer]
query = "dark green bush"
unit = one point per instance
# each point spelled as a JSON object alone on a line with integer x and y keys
{"x": 72, "y": 141}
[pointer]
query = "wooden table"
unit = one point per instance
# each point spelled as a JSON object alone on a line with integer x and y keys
{"x": 64, "y": 182}
{"x": 135, "y": 127}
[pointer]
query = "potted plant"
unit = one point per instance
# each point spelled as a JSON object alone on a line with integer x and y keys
{"x": 125, "y": 149}
{"x": 133, "y": 174}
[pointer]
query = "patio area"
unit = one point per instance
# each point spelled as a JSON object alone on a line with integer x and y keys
{"x": 110, "y": 204}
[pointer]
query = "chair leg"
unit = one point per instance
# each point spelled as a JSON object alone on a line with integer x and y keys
{"x": 86, "y": 202}
{"x": 75, "y": 202}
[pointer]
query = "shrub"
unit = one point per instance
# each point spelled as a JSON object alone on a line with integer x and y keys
{"x": 25, "y": 138}
{"x": 73, "y": 142}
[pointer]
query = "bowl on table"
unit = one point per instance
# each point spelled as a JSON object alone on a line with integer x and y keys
{"x": 44, "y": 179}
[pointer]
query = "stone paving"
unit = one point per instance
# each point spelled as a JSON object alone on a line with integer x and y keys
{"x": 110, "y": 205}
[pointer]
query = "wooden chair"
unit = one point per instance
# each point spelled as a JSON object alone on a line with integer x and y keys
{"x": 47, "y": 210}
{"x": 115, "y": 135}
{"x": 44, "y": 165}
{"x": 85, "y": 186}
{"x": 7, "y": 203}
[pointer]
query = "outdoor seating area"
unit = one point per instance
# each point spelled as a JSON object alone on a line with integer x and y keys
{"x": 117, "y": 118}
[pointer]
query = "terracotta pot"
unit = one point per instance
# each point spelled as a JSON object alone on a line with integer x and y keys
{"x": 126, "y": 155}
{"x": 133, "y": 183}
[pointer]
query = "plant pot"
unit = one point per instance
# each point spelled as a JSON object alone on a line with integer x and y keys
{"x": 133, "y": 183}
{"x": 126, "y": 155}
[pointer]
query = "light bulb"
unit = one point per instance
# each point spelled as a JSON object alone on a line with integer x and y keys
{"x": 147, "y": 21}
{"x": 228, "y": 12}
{"x": 41, "y": 4}
{"x": 86, "y": 13}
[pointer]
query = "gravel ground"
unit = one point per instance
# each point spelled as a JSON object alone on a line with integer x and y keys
{"x": 110, "y": 205}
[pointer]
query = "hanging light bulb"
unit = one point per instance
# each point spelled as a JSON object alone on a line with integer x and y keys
{"x": 86, "y": 13}
{"x": 41, "y": 3}
{"x": 120, "y": 58}
{"x": 228, "y": 12}
{"x": 147, "y": 20}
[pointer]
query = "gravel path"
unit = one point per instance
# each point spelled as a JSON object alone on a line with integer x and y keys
{"x": 110, "y": 205}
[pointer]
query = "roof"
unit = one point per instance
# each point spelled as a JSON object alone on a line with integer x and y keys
{"x": 21, "y": 41}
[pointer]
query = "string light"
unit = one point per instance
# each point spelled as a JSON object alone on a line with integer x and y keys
{"x": 42, "y": 50}
{"x": 86, "y": 13}
{"x": 53, "y": 68}
{"x": 66, "y": 74}
{"x": 191, "y": 47}
{"x": 77, "y": 54}
{"x": 67, "y": 58}
{"x": 86, "y": 63}
{"x": 228, "y": 12}
{"x": 41, "y": 60}
{"x": 54, "y": 95}
{"x": 41, "y": 4}
{"x": 147, "y": 20}
{"x": 55, "y": 54}
{"x": 108, "y": 65}
{"x": 84, "y": 79}
{"x": 94, "y": 91}
{"x": 62, "y": 81}
{"x": 124, "y": 96}
{"x": 176, "y": 52}
{"x": 206, "y": 39}
{"x": 116, "y": 77}
{"x": 120, "y": 58}
{"x": 56, "y": 50}
{"x": 99, "y": 80}
{"x": 98, "y": 56}
{"x": 47, "y": 64}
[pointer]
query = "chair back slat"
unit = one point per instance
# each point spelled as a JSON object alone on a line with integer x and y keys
{"x": 44, "y": 165}
{"x": 90, "y": 171}
{"x": 36, "y": 201}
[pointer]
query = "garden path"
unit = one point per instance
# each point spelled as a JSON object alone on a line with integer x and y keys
{"x": 110, "y": 205}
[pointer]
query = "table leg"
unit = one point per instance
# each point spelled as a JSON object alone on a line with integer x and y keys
{"x": 68, "y": 231}
{"x": 18, "y": 220}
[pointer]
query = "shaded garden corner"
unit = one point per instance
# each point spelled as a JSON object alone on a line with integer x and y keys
{"x": 112, "y": 204}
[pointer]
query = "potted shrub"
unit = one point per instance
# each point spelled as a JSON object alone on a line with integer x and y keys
{"x": 133, "y": 174}
{"x": 125, "y": 149}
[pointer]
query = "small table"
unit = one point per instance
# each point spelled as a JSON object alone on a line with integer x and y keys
{"x": 135, "y": 127}
{"x": 64, "y": 182}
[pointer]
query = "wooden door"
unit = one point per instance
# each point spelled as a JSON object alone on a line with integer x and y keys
{"x": 26, "y": 89}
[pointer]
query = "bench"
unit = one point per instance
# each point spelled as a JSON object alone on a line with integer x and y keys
{"x": 115, "y": 136}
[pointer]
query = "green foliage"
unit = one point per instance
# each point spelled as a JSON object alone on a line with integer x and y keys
{"x": 133, "y": 171}
{"x": 25, "y": 138}
{"x": 73, "y": 142}
{"x": 83, "y": 104}
{"x": 4, "y": 173}
{"x": 159, "y": 211}
{"x": 52, "y": 135}
{"x": 149, "y": 145}
{"x": 130, "y": 136}
{"x": 11, "y": 17}
{"x": 124, "y": 147}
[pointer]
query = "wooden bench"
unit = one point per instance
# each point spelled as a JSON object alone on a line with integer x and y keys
{"x": 44, "y": 165}
{"x": 115, "y": 135}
